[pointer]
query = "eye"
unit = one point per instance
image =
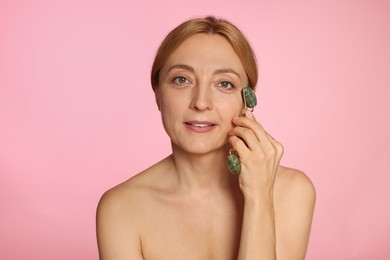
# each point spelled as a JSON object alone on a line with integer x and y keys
{"x": 226, "y": 85}
{"x": 180, "y": 80}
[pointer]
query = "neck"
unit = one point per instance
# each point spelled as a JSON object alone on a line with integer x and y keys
{"x": 202, "y": 171}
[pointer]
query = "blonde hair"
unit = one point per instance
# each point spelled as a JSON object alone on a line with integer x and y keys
{"x": 208, "y": 25}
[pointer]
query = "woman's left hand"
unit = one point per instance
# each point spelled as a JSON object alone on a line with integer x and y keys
{"x": 259, "y": 154}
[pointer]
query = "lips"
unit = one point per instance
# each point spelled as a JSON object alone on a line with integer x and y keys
{"x": 200, "y": 126}
{"x": 200, "y": 123}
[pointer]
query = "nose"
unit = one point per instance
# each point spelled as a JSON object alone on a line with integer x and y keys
{"x": 202, "y": 98}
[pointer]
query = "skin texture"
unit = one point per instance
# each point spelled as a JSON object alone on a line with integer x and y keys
{"x": 189, "y": 206}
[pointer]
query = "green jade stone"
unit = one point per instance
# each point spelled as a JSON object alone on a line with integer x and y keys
{"x": 234, "y": 164}
{"x": 250, "y": 101}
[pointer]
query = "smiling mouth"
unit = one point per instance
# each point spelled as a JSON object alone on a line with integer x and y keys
{"x": 199, "y": 124}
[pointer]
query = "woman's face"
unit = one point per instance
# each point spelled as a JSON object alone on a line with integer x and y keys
{"x": 200, "y": 92}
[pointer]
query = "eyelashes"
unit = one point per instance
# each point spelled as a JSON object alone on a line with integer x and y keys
{"x": 182, "y": 81}
{"x": 226, "y": 85}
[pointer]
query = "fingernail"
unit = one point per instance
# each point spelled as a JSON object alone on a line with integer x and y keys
{"x": 249, "y": 114}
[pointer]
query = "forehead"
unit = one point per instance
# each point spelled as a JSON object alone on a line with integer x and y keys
{"x": 206, "y": 51}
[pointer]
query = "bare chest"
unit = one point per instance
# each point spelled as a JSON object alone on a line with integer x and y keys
{"x": 195, "y": 230}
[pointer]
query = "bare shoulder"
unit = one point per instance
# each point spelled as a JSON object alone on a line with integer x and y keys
{"x": 292, "y": 182}
{"x": 116, "y": 224}
{"x": 294, "y": 201}
{"x": 125, "y": 193}
{"x": 136, "y": 191}
{"x": 120, "y": 199}
{"x": 294, "y": 192}
{"x": 129, "y": 201}
{"x": 121, "y": 215}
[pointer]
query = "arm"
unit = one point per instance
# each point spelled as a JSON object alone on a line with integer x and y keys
{"x": 258, "y": 237}
{"x": 281, "y": 231}
{"x": 116, "y": 233}
{"x": 269, "y": 232}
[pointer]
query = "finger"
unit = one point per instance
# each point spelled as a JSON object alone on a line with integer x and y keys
{"x": 238, "y": 145}
{"x": 277, "y": 150}
{"x": 277, "y": 145}
{"x": 249, "y": 114}
{"x": 247, "y": 136}
{"x": 257, "y": 129}
{"x": 268, "y": 142}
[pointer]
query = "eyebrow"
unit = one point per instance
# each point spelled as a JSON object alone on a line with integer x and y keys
{"x": 218, "y": 71}
{"x": 221, "y": 71}
{"x": 181, "y": 66}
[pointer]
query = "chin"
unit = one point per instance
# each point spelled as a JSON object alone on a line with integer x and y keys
{"x": 201, "y": 149}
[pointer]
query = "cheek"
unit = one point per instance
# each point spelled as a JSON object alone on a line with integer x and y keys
{"x": 171, "y": 101}
{"x": 170, "y": 108}
{"x": 232, "y": 107}
{"x": 229, "y": 110}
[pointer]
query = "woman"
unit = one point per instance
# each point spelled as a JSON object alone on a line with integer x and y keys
{"x": 189, "y": 206}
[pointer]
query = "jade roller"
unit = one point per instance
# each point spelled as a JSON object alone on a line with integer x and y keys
{"x": 250, "y": 102}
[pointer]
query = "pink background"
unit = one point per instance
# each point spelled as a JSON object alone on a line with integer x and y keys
{"x": 77, "y": 113}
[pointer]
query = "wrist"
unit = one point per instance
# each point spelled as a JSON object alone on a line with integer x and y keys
{"x": 259, "y": 203}
{"x": 258, "y": 198}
